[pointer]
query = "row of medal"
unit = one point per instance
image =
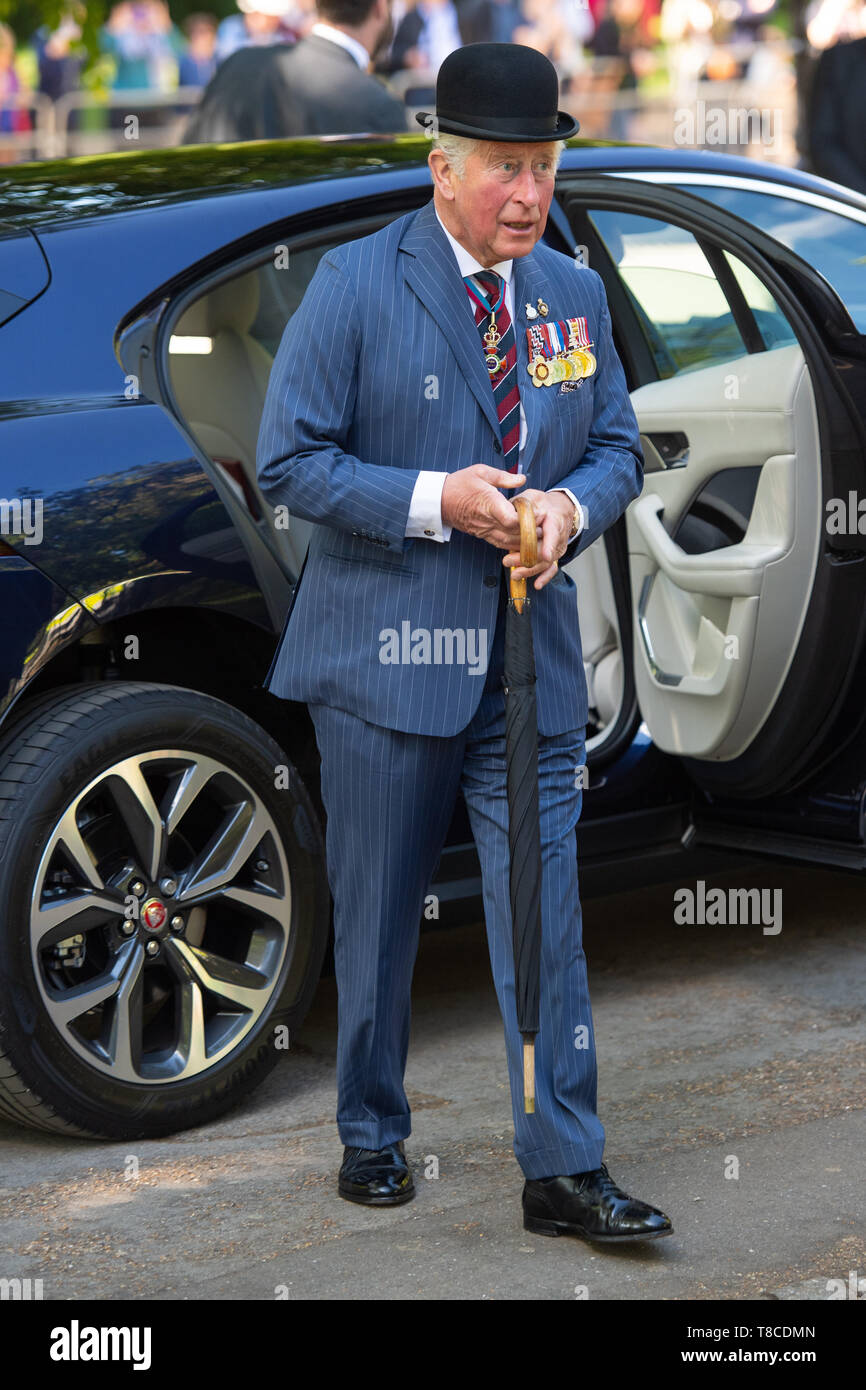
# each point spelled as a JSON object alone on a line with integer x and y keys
{"x": 559, "y": 351}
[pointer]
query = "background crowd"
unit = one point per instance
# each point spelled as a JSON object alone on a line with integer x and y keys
{"x": 617, "y": 61}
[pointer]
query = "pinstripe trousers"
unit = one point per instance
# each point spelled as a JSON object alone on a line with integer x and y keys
{"x": 389, "y": 798}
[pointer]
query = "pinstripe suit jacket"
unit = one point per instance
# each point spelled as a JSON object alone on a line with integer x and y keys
{"x": 380, "y": 373}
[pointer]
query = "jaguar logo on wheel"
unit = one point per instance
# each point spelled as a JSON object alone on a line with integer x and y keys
{"x": 154, "y": 914}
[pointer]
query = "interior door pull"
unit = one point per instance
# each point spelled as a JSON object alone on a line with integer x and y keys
{"x": 735, "y": 570}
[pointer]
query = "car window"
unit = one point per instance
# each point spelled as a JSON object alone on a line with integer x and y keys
{"x": 833, "y": 243}
{"x": 681, "y": 306}
{"x": 680, "y": 303}
{"x": 219, "y": 357}
{"x": 281, "y": 289}
{"x": 254, "y": 304}
{"x": 775, "y": 328}
{"x": 220, "y": 351}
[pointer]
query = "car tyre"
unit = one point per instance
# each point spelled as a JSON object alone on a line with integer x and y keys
{"x": 122, "y": 786}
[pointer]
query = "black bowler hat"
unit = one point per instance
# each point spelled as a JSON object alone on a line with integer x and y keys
{"x": 499, "y": 91}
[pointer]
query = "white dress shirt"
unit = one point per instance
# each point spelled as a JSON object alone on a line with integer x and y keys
{"x": 357, "y": 50}
{"x": 425, "y": 508}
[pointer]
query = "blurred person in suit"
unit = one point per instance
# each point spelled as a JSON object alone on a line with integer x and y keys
{"x": 426, "y": 35}
{"x": 320, "y": 86}
{"x": 838, "y": 113}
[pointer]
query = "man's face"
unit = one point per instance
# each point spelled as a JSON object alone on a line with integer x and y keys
{"x": 498, "y": 210}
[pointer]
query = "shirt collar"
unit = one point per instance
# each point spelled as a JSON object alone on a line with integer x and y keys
{"x": 357, "y": 50}
{"x": 467, "y": 262}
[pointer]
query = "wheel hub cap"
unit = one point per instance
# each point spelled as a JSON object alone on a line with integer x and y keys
{"x": 154, "y": 915}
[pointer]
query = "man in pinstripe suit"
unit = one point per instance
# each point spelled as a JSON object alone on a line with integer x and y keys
{"x": 396, "y": 418}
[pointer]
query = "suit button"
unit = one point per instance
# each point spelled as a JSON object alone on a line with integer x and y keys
{"x": 497, "y": 446}
{"x": 491, "y": 581}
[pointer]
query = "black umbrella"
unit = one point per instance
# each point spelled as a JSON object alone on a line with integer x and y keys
{"x": 524, "y": 829}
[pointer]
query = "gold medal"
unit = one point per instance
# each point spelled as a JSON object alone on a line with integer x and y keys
{"x": 550, "y": 361}
{"x": 492, "y": 336}
{"x": 539, "y": 370}
{"x": 584, "y": 362}
{"x": 493, "y": 362}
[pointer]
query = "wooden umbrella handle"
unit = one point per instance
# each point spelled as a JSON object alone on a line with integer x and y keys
{"x": 528, "y": 549}
{"x": 529, "y": 1076}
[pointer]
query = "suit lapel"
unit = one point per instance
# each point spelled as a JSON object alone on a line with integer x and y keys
{"x": 433, "y": 275}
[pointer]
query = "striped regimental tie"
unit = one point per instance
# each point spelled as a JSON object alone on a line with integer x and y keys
{"x": 488, "y": 284}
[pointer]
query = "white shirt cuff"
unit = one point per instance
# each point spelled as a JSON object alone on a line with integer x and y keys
{"x": 425, "y": 509}
{"x": 581, "y": 519}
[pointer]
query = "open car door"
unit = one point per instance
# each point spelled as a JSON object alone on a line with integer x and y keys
{"x": 748, "y": 379}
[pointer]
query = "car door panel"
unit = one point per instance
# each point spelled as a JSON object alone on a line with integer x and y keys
{"x": 723, "y": 620}
{"x": 699, "y": 662}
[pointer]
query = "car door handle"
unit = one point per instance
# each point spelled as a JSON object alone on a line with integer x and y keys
{"x": 664, "y": 450}
{"x": 735, "y": 570}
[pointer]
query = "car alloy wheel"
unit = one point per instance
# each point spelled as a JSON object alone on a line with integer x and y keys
{"x": 156, "y": 939}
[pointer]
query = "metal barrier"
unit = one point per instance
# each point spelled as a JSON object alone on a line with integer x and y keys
{"x": 734, "y": 117}
{"x": 128, "y": 119}
{"x": 137, "y": 118}
{"x": 36, "y": 143}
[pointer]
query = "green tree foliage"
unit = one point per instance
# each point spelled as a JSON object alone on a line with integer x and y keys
{"x": 24, "y": 17}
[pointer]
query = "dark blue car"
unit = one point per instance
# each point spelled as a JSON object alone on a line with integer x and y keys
{"x": 164, "y": 908}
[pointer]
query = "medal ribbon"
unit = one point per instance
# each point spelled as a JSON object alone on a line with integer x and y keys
{"x": 506, "y": 395}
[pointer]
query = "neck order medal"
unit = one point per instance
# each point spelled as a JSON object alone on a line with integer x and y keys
{"x": 492, "y": 337}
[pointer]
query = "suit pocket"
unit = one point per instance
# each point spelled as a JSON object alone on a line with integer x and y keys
{"x": 371, "y": 563}
{"x": 576, "y": 396}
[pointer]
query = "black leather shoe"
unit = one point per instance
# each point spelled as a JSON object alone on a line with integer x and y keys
{"x": 592, "y": 1206}
{"x": 376, "y": 1177}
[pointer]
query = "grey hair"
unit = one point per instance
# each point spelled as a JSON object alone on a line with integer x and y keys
{"x": 458, "y": 148}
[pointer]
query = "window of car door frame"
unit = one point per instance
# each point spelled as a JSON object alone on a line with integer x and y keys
{"x": 635, "y": 352}
{"x": 239, "y": 264}
{"x": 233, "y": 263}
{"x": 818, "y": 318}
